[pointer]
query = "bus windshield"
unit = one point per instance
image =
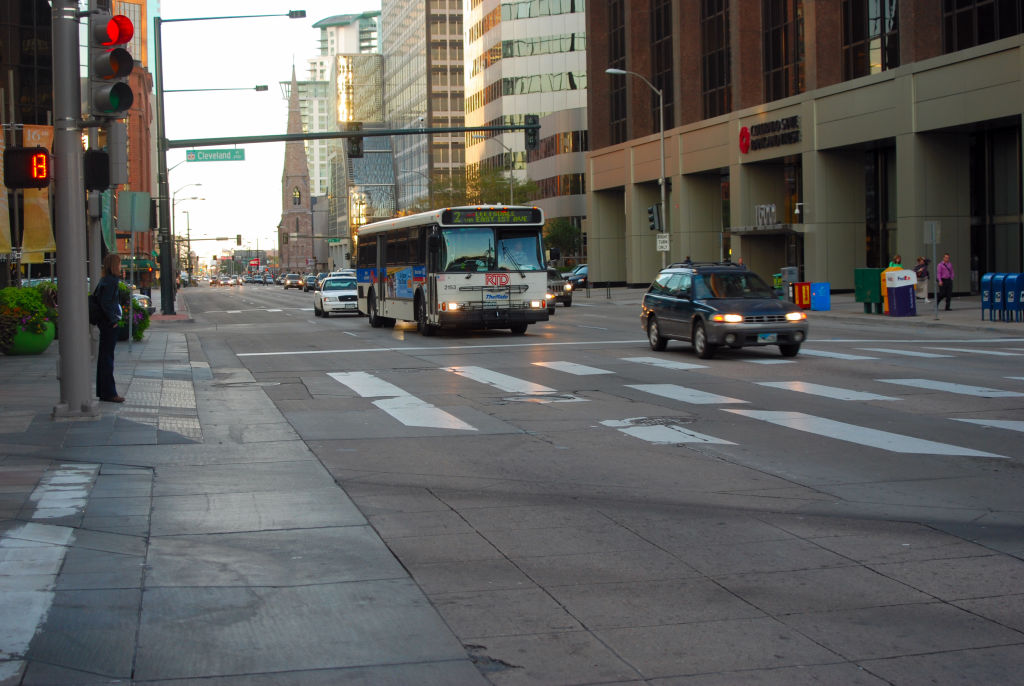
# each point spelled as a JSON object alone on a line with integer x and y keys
{"x": 473, "y": 249}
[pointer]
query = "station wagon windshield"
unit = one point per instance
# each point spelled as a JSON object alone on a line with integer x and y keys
{"x": 730, "y": 285}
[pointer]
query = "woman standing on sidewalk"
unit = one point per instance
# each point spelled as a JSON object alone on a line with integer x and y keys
{"x": 108, "y": 294}
{"x": 944, "y": 274}
{"x": 921, "y": 269}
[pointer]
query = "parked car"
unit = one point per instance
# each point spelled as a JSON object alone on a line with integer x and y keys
{"x": 578, "y": 277}
{"x": 336, "y": 294}
{"x": 309, "y": 283}
{"x": 292, "y": 281}
{"x": 719, "y": 304}
{"x": 144, "y": 301}
{"x": 559, "y": 290}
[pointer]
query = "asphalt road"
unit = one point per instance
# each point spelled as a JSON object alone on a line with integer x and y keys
{"x": 580, "y": 509}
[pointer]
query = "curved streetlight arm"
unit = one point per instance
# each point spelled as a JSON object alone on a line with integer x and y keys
{"x": 511, "y": 176}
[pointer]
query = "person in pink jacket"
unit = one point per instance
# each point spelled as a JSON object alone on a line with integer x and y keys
{"x": 944, "y": 275}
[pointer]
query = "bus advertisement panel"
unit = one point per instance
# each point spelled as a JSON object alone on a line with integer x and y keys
{"x": 463, "y": 267}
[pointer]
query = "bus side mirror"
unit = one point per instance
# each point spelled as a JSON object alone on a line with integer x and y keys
{"x": 433, "y": 241}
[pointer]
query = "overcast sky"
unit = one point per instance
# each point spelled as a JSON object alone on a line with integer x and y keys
{"x": 240, "y": 197}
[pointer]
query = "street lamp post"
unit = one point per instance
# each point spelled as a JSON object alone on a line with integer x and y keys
{"x": 430, "y": 193}
{"x": 511, "y": 177}
{"x": 164, "y": 231}
{"x": 661, "y": 127}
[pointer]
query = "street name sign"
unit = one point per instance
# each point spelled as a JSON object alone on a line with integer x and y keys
{"x": 222, "y": 155}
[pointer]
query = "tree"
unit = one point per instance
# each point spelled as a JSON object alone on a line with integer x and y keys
{"x": 562, "y": 234}
{"x": 473, "y": 185}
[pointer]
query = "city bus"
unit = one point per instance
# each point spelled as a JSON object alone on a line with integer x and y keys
{"x": 460, "y": 267}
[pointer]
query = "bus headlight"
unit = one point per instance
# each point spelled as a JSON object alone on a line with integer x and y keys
{"x": 450, "y": 307}
{"x": 538, "y": 304}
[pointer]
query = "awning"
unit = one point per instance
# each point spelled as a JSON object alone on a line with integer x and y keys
{"x": 139, "y": 264}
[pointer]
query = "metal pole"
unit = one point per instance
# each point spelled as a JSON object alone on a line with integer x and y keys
{"x": 76, "y": 396}
{"x": 511, "y": 177}
{"x": 164, "y": 219}
{"x": 664, "y": 207}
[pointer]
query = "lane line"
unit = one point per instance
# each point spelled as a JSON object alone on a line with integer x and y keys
{"x": 503, "y": 382}
{"x": 663, "y": 363}
{"x": 838, "y": 356}
{"x": 860, "y": 435}
{"x": 770, "y": 360}
{"x": 959, "y": 389}
{"x": 439, "y": 348}
{"x": 1010, "y": 424}
{"x": 978, "y": 351}
{"x": 901, "y": 351}
{"x": 683, "y": 394}
{"x": 572, "y": 368}
{"x": 824, "y": 391}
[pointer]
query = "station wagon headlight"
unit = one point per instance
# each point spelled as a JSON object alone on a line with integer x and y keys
{"x": 796, "y": 316}
{"x": 729, "y": 318}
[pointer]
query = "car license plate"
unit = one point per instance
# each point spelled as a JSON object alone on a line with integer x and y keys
{"x": 767, "y": 338}
{"x": 348, "y": 305}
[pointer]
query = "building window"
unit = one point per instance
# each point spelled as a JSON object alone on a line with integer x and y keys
{"x": 871, "y": 37}
{"x": 783, "y": 25}
{"x": 617, "y": 60}
{"x": 661, "y": 57}
{"x": 973, "y": 22}
{"x": 715, "y": 66}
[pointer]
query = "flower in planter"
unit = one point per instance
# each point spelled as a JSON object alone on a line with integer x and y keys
{"x": 138, "y": 313}
{"x": 21, "y": 308}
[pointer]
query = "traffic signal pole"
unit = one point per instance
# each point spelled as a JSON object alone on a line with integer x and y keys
{"x": 73, "y": 364}
{"x": 163, "y": 185}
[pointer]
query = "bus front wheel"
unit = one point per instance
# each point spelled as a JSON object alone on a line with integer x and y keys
{"x": 518, "y": 329}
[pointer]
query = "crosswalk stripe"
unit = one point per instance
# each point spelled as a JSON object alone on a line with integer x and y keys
{"x": 668, "y": 434}
{"x": 907, "y": 353}
{"x": 769, "y": 360}
{"x": 825, "y": 391}
{"x": 502, "y": 382}
{"x": 976, "y": 351}
{"x": 572, "y": 368}
{"x": 838, "y": 356}
{"x": 959, "y": 389}
{"x": 683, "y": 394}
{"x": 665, "y": 364}
{"x": 404, "y": 407}
{"x": 1011, "y": 424}
{"x": 861, "y": 435}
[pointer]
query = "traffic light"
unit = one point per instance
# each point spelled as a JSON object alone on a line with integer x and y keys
{"x": 654, "y": 217}
{"x": 354, "y": 144}
{"x": 27, "y": 167}
{"x": 109, "y": 63}
{"x": 97, "y": 170}
{"x": 532, "y": 134}
{"x": 238, "y": 239}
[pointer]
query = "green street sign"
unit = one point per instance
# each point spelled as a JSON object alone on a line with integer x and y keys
{"x": 222, "y": 155}
{"x": 333, "y": 241}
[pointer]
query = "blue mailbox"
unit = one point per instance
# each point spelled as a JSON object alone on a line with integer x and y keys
{"x": 986, "y": 294}
{"x": 998, "y": 299}
{"x": 1014, "y": 284}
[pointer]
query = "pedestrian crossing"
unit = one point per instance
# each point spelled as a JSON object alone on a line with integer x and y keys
{"x": 414, "y": 412}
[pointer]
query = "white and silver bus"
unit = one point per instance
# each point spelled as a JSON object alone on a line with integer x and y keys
{"x": 460, "y": 267}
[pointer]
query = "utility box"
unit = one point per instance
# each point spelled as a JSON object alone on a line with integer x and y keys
{"x": 899, "y": 284}
{"x": 821, "y": 297}
{"x": 867, "y": 288}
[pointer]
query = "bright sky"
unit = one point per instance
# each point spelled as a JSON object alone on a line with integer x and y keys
{"x": 240, "y": 197}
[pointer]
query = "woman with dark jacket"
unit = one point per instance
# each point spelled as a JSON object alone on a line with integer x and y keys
{"x": 109, "y": 296}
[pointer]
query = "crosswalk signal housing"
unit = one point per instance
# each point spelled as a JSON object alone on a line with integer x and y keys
{"x": 110, "y": 63}
{"x": 532, "y": 134}
{"x": 27, "y": 167}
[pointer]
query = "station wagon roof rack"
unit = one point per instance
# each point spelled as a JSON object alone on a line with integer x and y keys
{"x": 680, "y": 265}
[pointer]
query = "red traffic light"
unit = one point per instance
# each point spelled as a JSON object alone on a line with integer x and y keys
{"x": 117, "y": 30}
{"x": 27, "y": 167}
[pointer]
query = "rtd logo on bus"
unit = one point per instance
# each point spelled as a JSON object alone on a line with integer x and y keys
{"x": 499, "y": 279}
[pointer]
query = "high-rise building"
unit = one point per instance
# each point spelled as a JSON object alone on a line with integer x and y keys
{"x": 824, "y": 135}
{"x": 530, "y": 58}
{"x": 423, "y": 75}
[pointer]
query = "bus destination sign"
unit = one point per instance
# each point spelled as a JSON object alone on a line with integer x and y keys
{"x": 491, "y": 216}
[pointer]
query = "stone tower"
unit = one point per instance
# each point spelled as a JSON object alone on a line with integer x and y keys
{"x": 295, "y": 232}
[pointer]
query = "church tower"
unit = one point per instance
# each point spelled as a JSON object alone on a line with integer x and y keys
{"x": 295, "y": 232}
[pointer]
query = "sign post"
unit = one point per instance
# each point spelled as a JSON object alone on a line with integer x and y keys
{"x": 931, "y": 237}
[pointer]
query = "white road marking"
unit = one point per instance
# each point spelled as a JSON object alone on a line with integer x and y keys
{"x": 439, "y": 348}
{"x": 838, "y": 356}
{"x": 903, "y": 351}
{"x": 1010, "y": 424}
{"x": 277, "y": 310}
{"x": 665, "y": 434}
{"x": 978, "y": 351}
{"x": 860, "y": 435}
{"x": 503, "y": 382}
{"x": 959, "y": 389}
{"x": 825, "y": 391}
{"x": 769, "y": 360}
{"x": 663, "y": 363}
{"x": 406, "y": 408}
{"x": 683, "y": 394}
{"x": 572, "y": 368}
{"x": 233, "y": 311}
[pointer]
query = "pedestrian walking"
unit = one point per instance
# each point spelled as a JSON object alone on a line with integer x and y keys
{"x": 944, "y": 274}
{"x": 108, "y": 293}
{"x": 921, "y": 269}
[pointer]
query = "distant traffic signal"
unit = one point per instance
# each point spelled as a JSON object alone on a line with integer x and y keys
{"x": 109, "y": 63}
{"x": 354, "y": 144}
{"x": 27, "y": 167}
{"x": 532, "y": 134}
{"x": 654, "y": 217}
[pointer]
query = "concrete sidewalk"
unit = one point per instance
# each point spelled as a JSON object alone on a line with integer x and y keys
{"x": 186, "y": 535}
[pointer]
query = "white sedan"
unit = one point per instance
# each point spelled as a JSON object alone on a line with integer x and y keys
{"x": 336, "y": 294}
